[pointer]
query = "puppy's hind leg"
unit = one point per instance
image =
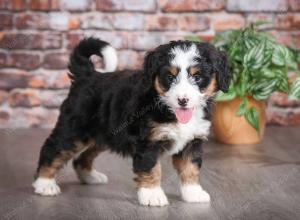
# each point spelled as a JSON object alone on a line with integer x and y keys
{"x": 83, "y": 166}
{"x": 55, "y": 153}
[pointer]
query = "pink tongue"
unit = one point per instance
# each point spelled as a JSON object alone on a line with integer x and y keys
{"x": 184, "y": 115}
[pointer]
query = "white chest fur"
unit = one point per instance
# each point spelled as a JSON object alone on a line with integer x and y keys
{"x": 181, "y": 134}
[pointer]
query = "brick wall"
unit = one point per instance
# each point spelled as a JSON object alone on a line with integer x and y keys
{"x": 36, "y": 37}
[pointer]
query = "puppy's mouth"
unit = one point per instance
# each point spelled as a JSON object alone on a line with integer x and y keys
{"x": 184, "y": 115}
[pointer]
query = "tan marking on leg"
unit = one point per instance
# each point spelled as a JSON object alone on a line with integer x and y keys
{"x": 187, "y": 171}
{"x": 149, "y": 179}
{"x": 49, "y": 171}
{"x": 86, "y": 159}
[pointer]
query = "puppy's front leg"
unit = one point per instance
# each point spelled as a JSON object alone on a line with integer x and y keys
{"x": 148, "y": 180}
{"x": 187, "y": 164}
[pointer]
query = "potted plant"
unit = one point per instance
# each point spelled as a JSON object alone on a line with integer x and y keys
{"x": 259, "y": 67}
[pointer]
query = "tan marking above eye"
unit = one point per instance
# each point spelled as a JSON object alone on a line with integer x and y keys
{"x": 194, "y": 70}
{"x": 173, "y": 70}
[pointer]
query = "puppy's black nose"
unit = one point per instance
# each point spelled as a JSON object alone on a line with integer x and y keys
{"x": 183, "y": 102}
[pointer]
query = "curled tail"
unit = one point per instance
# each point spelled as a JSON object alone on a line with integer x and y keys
{"x": 80, "y": 64}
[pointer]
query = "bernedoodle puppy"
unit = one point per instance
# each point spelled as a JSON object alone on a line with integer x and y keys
{"x": 163, "y": 108}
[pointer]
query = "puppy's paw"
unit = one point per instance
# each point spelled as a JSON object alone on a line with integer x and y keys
{"x": 152, "y": 197}
{"x": 91, "y": 177}
{"x": 46, "y": 187}
{"x": 194, "y": 193}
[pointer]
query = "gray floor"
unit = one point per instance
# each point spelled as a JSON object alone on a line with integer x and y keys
{"x": 245, "y": 182}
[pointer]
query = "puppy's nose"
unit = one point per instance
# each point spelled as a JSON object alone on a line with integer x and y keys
{"x": 183, "y": 102}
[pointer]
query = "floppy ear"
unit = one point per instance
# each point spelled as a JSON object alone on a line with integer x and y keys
{"x": 221, "y": 67}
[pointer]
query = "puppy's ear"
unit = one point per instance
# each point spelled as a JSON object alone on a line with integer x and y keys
{"x": 219, "y": 63}
{"x": 222, "y": 71}
{"x": 151, "y": 64}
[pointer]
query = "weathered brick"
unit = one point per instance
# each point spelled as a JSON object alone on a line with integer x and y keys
{"x": 282, "y": 100}
{"x": 161, "y": 22}
{"x": 191, "y": 5}
{"x": 17, "y": 5}
{"x": 24, "y": 98}
{"x": 126, "y": 5}
{"x": 145, "y": 41}
{"x": 128, "y": 59}
{"x": 75, "y": 5}
{"x": 129, "y": 21}
{"x": 118, "y": 40}
{"x": 294, "y": 5}
{"x": 49, "y": 80}
{"x": 265, "y": 5}
{"x": 268, "y": 18}
{"x": 74, "y": 22}
{"x": 30, "y": 41}
{"x": 52, "y": 98}
{"x": 34, "y": 117}
{"x": 4, "y": 118}
{"x": 194, "y": 23}
{"x": 45, "y": 5}
{"x": 11, "y": 79}
{"x": 32, "y": 21}
{"x": 283, "y": 116}
{"x": 288, "y": 22}
{"x": 59, "y": 21}
{"x": 6, "y": 20}
{"x": 73, "y": 39}
{"x": 3, "y": 4}
{"x": 22, "y": 60}
{"x": 56, "y": 61}
{"x": 224, "y": 21}
{"x": 3, "y": 96}
{"x": 3, "y": 59}
{"x": 96, "y": 20}
{"x": 288, "y": 39}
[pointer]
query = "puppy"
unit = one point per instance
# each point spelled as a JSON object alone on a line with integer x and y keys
{"x": 162, "y": 109}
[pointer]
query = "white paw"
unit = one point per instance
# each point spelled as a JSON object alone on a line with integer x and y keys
{"x": 91, "y": 177}
{"x": 46, "y": 187}
{"x": 152, "y": 197}
{"x": 194, "y": 193}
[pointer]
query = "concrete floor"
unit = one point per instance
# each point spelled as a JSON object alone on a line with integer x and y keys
{"x": 245, "y": 182}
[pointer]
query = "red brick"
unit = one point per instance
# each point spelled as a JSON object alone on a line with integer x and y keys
{"x": 52, "y": 99}
{"x": 161, "y": 22}
{"x": 194, "y": 23}
{"x": 24, "y": 98}
{"x": 126, "y": 5}
{"x": 34, "y": 117}
{"x": 282, "y": 100}
{"x": 17, "y": 5}
{"x": 255, "y": 17}
{"x": 288, "y": 22}
{"x": 281, "y": 116}
{"x": 128, "y": 21}
{"x": 26, "y": 61}
{"x": 32, "y": 21}
{"x": 11, "y": 79}
{"x": 294, "y": 5}
{"x": 3, "y": 96}
{"x": 45, "y": 5}
{"x": 73, "y": 39}
{"x": 50, "y": 80}
{"x": 30, "y": 41}
{"x": 222, "y": 22}
{"x": 145, "y": 41}
{"x": 56, "y": 60}
{"x": 74, "y": 23}
{"x": 96, "y": 20}
{"x": 75, "y": 5}
{"x": 4, "y": 118}
{"x": 265, "y": 5}
{"x": 3, "y": 59}
{"x": 288, "y": 39}
{"x": 3, "y": 4}
{"x": 6, "y": 21}
{"x": 59, "y": 20}
{"x": 191, "y": 5}
{"x": 128, "y": 59}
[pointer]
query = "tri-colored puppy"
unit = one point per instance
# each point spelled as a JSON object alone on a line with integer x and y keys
{"x": 163, "y": 108}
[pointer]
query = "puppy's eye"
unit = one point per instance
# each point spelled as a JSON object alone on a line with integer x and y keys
{"x": 197, "y": 78}
{"x": 171, "y": 77}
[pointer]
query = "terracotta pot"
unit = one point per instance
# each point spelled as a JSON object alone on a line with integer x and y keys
{"x": 230, "y": 129}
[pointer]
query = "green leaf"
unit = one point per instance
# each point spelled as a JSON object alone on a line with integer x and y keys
{"x": 243, "y": 108}
{"x": 230, "y": 95}
{"x": 295, "y": 90}
{"x": 252, "y": 118}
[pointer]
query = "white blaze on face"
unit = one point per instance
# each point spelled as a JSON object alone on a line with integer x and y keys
{"x": 184, "y": 87}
